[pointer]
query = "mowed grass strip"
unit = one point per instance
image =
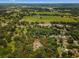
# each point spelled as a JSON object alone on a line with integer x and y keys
{"x": 48, "y": 19}
{"x": 51, "y": 13}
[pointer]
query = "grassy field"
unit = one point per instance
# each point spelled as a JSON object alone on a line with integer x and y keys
{"x": 48, "y": 19}
{"x": 52, "y": 13}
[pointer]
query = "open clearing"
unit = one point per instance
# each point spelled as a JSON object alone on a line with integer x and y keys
{"x": 48, "y": 19}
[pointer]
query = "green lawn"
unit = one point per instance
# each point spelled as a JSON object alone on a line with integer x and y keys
{"x": 48, "y": 19}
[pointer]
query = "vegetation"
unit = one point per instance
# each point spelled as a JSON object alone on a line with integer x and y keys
{"x": 53, "y": 31}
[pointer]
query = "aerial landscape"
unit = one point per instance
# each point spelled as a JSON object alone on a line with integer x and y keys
{"x": 39, "y": 30}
